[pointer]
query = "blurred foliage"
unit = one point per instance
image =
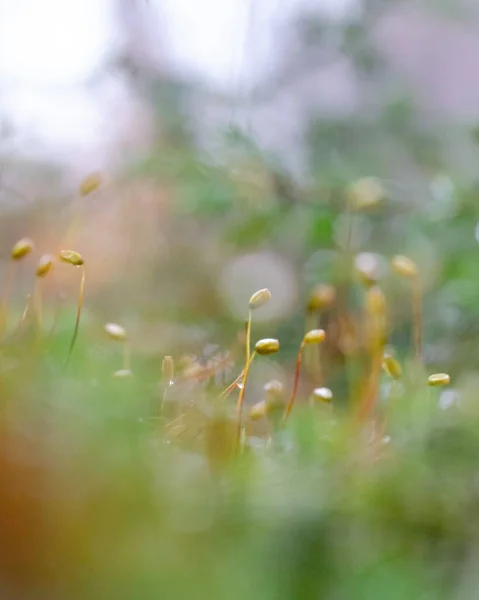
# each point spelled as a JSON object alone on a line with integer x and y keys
{"x": 96, "y": 504}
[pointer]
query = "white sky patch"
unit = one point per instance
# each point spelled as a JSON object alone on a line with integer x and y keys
{"x": 206, "y": 40}
{"x": 50, "y": 48}
{"x": 52, "y": 42}
{"x": 233, "y": 42}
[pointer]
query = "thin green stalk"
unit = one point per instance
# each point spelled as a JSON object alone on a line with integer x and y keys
{"x": 240, "y": 403}
{"x": 79, "y": 309}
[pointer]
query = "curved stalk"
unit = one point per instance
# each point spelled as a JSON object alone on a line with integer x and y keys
{"x": 225, "y": 393}
{"x": 25, "y": 313}
{"x": 297, "y": 371}
{"x": 314, "y": 336}
{"x": 248, "y": 338}
{"x": 79, "y": 309}
{"x": 240, "y": 403}
{"x": 311, "y": 358}
{"x": 372, "y": 386}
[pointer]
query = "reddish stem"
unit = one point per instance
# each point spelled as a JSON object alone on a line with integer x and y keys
{"x": 372, "y": 385}
{"x": 289, "y": 406}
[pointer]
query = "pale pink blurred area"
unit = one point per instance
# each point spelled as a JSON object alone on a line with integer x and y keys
{"x": 438, "y": 55}
{"x": 67, "y": 102}
{"x": 245, "y": 274}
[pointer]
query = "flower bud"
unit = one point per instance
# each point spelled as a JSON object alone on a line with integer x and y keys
{"x": 91, "y": 183}
{"x": 322, "y": 394}
{"x": 392, "y": 366}
{"x": 315, "y": 336}
{"x": 267, "y": 346}
{"x": 258, "y": 411}
{"x": 404, "y": 266}
{"x": 71, "y": 257}
{"x": 438, "y": 379}
{"x": 116, "y": 332}
{"x": 22, "y": 248}
{"x": 367, "y": 268}
{"x": 274, "y": 395}
{"x": 45, "y": 265}
{"x": 259, "y": 298}
{"x": 322, "y": 296}
{"x": 365, "y": 193}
